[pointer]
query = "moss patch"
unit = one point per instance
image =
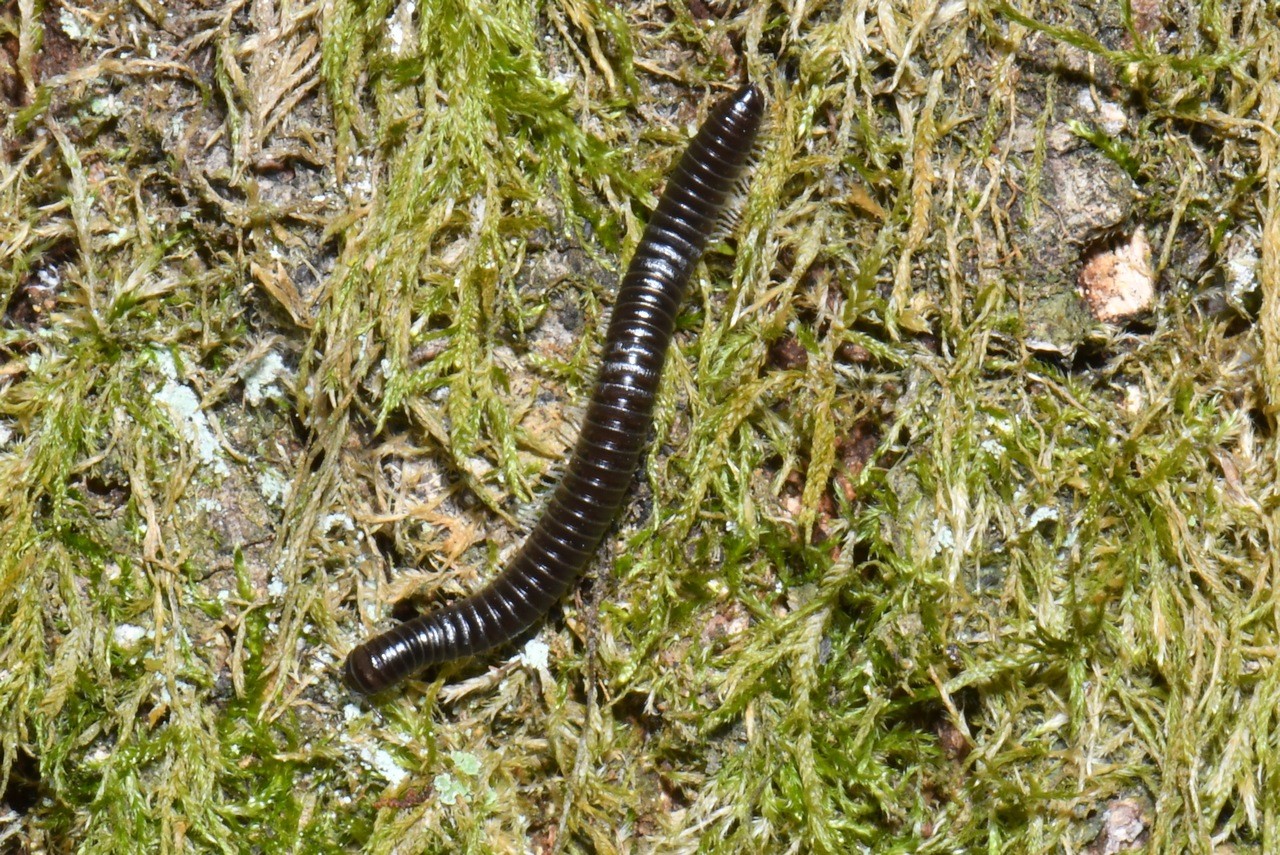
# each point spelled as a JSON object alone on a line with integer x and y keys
{"x": 300, "y": 305}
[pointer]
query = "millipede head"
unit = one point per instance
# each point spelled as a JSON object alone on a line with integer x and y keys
{"x": 361, "y": 673}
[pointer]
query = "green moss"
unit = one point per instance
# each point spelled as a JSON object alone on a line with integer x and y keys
{"x": 894, "y": 579}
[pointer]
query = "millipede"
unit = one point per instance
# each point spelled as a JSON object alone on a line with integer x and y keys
{"x": 617, "y": 422}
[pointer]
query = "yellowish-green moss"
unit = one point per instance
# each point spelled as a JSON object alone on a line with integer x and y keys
{"x": 299, "y": 300}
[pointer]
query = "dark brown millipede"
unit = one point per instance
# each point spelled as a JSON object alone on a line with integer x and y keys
{"x": 614, "y": 430}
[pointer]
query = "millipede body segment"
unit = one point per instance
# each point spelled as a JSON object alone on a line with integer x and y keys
{"x": 614, "y": 430}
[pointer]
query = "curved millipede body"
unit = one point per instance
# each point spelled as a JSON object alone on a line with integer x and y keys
{"x": 615, "y": 427}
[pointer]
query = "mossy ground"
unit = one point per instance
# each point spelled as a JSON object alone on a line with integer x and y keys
{"x": 300, "y": 307}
